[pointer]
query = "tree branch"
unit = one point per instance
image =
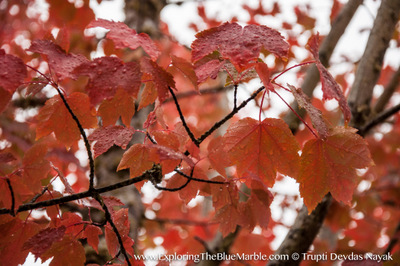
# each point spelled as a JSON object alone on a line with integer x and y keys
{"x": 108, "y": 217}
{"x": 192, "y": 137}
{"x": 302, "y": 233}
{"x": 370, "y": 66}
{"x": 388, "y": 92}
{"x": 379, "y": 119}
{"x": 31, "y": 206}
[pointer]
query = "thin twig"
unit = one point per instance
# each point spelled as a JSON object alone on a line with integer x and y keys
{"x": 229, "y": 116}
{"x": 235, "y": 97}
{"x": 189, "y": 178}
{"x": 172, "y": 189}
{"x": 12, "y": 197}
{"x": 85, "y": 139}
{"x": 192, "y": 137}
{"x": 108, "y": 217}
{"x": 200, "y": 180}
{"x": 379, "y": 119}
{"x": 35, "y": 198}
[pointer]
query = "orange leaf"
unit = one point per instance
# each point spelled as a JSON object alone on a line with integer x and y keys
{"x": 186, "y": 68}
{"x": 330, "y": 166}
{"x": 121, "y": 105}
{"x": 263, "y": 73}
{"x": 260, "y": 149}
{"x": 138, "y": 159}
{"x": 54, "y": 117}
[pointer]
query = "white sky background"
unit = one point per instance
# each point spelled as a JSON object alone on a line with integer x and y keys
{"x": 352, "y": 44}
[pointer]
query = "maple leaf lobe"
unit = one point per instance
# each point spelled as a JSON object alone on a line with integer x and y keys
{"x": 237, "y": 44}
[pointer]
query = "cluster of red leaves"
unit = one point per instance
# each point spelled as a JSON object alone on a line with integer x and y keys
{"x": 258, "y": 150}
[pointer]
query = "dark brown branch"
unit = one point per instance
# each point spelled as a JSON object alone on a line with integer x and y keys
{"x": 302, "y": 232}
{"x": 235, "y": 96}
{"x": 192, "y": 137}
{"x": 388, "y": 92}
{"x": 230, "y": 115}
{"x": 172, "y": 189}
{"x": 12, "y": 197}
{"x": 85, "y": 139}
{"x": 380, "y": 118}
{"x": 370, "y": 65}
{"x": 31, "y": 206}
{"x": 35, "y": 198}
{"x": 109, "y": 219}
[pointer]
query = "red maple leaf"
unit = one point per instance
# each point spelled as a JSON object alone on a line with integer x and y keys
{"x": 12, "y": 71}
{"x": 330, "y": 166}
{"x": 42, "y": 241}
{"x": 186, "y": 68}
{"x": 60, "y": 63}
{"x": 107, "y": 75}
{"x": 92, "y": 233}
{"x": 123, "y": 37}
{"x": 260, "y": 149}
{"x": 14, "y": 233}
{"x": 237, "y": 44}
{"x": 67, "y": 251}
{"x": 106, "y": 137}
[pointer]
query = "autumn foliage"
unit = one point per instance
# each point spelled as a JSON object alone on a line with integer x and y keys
{"x": 211, "y": 166}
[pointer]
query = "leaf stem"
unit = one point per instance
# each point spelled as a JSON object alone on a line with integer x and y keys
{"x": 301, "y": 119}
{"x": 290, "y": 68}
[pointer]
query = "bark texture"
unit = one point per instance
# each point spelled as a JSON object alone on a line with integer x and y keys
{"x": 370, "y": 66}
